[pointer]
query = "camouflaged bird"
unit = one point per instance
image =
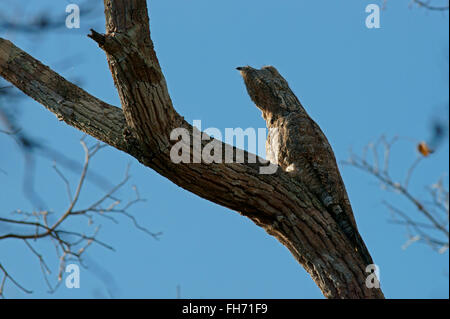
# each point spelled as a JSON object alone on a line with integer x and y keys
{"x": 297, "y": 144}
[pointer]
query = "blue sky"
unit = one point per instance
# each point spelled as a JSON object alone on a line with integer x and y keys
{"x": 356, "y": 83}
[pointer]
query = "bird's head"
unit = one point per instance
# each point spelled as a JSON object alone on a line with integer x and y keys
{"x": 264, "y": 73}
{"x": 268, "y": 89}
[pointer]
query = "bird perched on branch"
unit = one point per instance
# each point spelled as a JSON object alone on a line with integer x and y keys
{"x": 297, "y": 144}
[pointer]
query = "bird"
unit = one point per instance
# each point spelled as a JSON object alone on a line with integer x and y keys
{"x": 296, "y": 143}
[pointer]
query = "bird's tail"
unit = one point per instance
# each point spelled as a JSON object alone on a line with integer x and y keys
{"x": 352, "y": 234}
{"x": 362, "y": 249}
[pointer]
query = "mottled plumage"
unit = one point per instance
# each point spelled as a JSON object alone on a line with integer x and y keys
{"x": 297, "y": 144}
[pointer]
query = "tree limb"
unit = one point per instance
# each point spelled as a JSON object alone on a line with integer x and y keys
{"x": 282, "y": 206}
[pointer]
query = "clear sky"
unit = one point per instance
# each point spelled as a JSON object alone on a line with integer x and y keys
{"x": 357, "y": 83}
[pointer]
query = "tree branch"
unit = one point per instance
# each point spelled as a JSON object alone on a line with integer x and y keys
{"x": 69, "y": 243}
{"x": 282, "y": 206}
{"x": 429, "y": 6}
{"x": 435, "y": 213}
{"x": 67, "y": 101}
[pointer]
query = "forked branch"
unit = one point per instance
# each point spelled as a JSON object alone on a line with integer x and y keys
{"x": 69, "y": 244}
{"x": 142, "y": 128}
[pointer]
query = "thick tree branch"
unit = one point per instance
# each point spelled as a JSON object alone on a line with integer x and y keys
{"x": 67, "y": 101}
{"x": 279, "y": 204}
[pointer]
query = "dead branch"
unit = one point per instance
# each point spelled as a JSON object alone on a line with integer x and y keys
{"x": 70, "y": 244}
{"x": 435, "y": 211}
{"x": 428, "y": 5}
{"x": 284, "y": 207}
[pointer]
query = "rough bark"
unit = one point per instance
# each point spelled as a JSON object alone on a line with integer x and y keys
{"x": 282, "y": 206}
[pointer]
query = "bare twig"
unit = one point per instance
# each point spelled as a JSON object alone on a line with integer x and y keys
{"x": 70, "y": 244}
{"x": 6, "y": 276}
{"x": 434, "y": 211}
{"x": 428, "y": 5}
